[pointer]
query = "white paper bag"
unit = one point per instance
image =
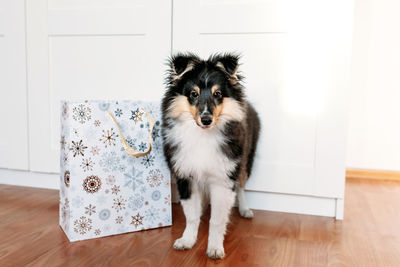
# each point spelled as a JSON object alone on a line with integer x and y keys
{"x": 110, "y": 182}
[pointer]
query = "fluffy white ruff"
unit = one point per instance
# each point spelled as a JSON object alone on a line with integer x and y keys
{"x": 199, "y": 154}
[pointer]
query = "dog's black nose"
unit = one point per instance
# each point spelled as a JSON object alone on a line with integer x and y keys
{"x": 206, "y": 120}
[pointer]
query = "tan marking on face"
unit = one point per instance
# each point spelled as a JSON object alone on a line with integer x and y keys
{"x": 214, "y": 88}
{"x": 232, "y": 109}
{"x": 195, "y": 113}
{"x": 229, "y": 107}
{"x": 217, "y": 112}
{"x": 179, "y": 105}
{"x": 197, "y": 89}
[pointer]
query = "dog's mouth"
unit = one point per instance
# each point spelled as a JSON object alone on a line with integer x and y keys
{"x": 206, "y": 126}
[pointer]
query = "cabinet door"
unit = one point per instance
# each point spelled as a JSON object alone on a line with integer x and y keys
{"x": 13, "y": 110}
{"x": 295, "y": 57}
{"x": 88, "y": 49}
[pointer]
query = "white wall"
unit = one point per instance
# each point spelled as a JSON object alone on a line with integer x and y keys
{"x": 374, "y": 106}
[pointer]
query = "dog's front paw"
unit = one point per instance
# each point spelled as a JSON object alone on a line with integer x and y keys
{"x": 246, "y": 213}
{"x": 215, "y": 252}
{"x": 182, "y": 244}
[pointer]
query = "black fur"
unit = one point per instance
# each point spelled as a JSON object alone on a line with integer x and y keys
{"x": 232, "y": 147}
{"x": 184, "y": 188}
{"x": 255, "y": 124}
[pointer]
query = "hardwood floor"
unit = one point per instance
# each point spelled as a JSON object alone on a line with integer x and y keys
{"x": 369, "y": 235}
{"x": 373, "y": 174}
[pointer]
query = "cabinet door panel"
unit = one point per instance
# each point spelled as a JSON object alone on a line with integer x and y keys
{"x": 13, "y": 134}
{"x": 112, "y": 50}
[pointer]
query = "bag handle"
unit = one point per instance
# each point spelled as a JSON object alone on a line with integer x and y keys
{"x": 132, "y": 152}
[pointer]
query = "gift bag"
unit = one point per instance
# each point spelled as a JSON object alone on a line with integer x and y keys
{"x": 114, "y": 178}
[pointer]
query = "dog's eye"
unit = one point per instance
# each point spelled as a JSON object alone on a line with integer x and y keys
{"x": 217, "y": 94}
{"x": 194, "y": 94}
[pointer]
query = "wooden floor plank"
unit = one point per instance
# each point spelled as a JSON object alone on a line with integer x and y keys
{"x": 369, "y": 235}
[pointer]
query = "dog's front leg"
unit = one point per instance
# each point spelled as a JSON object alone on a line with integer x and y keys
{"x": 222, "y": 200}
{"x": 192, "y": 207}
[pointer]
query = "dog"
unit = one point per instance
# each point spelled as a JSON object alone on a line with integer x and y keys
{"x": 210, "y": 135}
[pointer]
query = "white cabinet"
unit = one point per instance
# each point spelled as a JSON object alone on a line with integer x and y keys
{"x": 13, "y": 107}
{"x": 295, "y": 55}
{"x": 296, "y": 58}
{"x": 90, "y": 50}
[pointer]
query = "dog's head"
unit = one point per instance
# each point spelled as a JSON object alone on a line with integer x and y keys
{"x": 209, "y": 90}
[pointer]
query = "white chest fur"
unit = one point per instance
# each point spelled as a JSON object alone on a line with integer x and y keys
{"x": 198, "y": 152}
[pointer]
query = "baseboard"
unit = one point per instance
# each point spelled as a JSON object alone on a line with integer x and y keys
{"x": 330, "y": 207}
{"x": 310, "y": 205}
{"x": 372, "y": 174}
{"x": 31, "y": 179}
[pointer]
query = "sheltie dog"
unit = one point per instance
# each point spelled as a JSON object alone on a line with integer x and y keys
{"x": 210, "y": 134}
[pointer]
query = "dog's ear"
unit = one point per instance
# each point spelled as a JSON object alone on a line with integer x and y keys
{"x": 228, "y": 63}
{"x": 181, "y": 64}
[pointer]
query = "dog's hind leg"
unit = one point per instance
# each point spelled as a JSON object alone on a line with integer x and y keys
{"x": 222, "y": 200}
{"x": 191, "y": 200}
{"x": 244, "y": 210}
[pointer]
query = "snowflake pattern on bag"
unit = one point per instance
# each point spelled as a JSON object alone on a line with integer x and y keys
{"x": 78, "y": 148}
{"x": 109, "y": 137}
{"x": 133, "y": 179}
{"x": 81, "y": 113}
{"x": 105, "y": 191}
{"x": 90, "y": 210}
{"x": 82, "y": 225}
